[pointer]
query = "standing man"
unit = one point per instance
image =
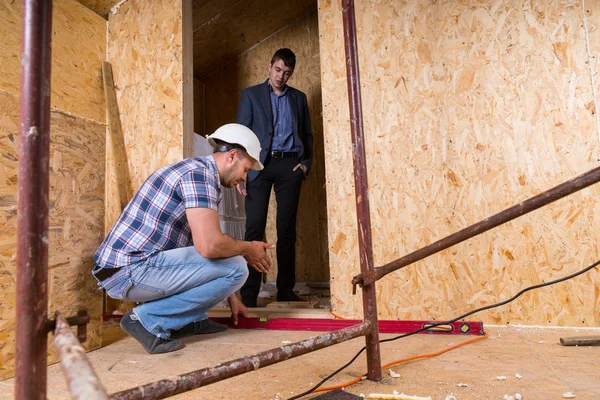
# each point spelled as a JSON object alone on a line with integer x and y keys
{"x": 167, "y": 249}
{"x": 278, "y": 115}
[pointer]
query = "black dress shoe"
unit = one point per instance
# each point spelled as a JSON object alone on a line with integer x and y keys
{"x": 288, "y": 296}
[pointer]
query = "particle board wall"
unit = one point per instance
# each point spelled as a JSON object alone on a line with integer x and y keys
{"x": 222, "y": 94}
{"x": 78, "y": 42}
{"x": 145, "y": 48}
{"x": 469, "y": 107}
{"x": 76, "y": 167}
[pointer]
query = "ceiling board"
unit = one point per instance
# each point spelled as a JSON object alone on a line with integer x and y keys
{"x": 237, "y": 26}
{"x": 100, "y": 7}
{"x": 204, "y": 10}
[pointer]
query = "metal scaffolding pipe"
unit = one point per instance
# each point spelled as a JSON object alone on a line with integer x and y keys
{"x": 82, "y": 380}
{"x": 205, "y": 376}
{"x": 541, "y": 200}
{"x": 361, "y": 187}
{"x": 32, "y": 211}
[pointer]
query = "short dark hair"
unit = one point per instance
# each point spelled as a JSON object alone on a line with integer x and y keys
{"x": 286, "y": 55}
{"x": 224, "y": 147}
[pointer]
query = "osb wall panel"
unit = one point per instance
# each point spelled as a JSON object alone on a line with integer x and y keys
{"x": 222, "y": 94}
{"x": 78, "y": 47}
{"x": 100, "y": 7}
{"x": 76, "y": 215}
{"x": 469, "y": 107}
{"x": 145, "y": 50}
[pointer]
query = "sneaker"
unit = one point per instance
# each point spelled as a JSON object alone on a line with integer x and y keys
{"x": 152, "y": 344}
{"x": 203, "y": 327}
{"x": 288, "y": 296}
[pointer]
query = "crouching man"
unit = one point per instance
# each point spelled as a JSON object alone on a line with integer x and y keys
{"x": 167, "y": 249}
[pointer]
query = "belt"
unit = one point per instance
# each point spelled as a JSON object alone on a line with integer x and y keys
{"x": 283, "y": 154}
{"x": 106, "y": 273}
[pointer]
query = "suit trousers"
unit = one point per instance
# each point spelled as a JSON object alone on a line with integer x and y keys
{"x": 277, "y": 173}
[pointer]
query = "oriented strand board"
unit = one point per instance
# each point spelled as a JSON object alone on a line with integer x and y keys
{"x": 100, "y": 7}
{"x": 145, "y": 45}
{"x": 222, "y": 93}
{"x": 76, "y": 218}
{"x": 205, "y": 10}
{"x": 78, "y": 47}
{"x": 199, "y": 107}
{"x": 238, "y": 28}
{"x": 469, "y": 107}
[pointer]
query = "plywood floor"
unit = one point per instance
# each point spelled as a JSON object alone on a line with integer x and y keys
{"x": 548, "y": 369}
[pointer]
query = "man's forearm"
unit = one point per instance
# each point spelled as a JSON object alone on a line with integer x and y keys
{"x": 226, "y": 246}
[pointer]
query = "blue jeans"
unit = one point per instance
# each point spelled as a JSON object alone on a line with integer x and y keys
{"x": 178, "y": 287}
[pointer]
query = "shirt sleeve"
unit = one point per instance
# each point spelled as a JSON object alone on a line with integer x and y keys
{"x": 199, "y": 190}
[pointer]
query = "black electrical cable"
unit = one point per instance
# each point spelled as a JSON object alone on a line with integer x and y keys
{"x": 431, "y": 326}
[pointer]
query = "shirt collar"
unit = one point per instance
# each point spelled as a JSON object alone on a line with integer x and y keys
{"x": 284, "y": 91}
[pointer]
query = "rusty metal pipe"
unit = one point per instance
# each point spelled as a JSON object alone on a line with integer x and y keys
{"x": 361, "y": 187}
{"x": 205, "y": 376}
{"x": 529, "y": 205}
{"x": 82, "y": 380}
{"x": 32, "y": 209}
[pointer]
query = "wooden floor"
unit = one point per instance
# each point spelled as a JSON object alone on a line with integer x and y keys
{"x": 547, "y": 369}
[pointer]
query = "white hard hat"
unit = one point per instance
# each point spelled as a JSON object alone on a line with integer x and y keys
{"x": 241, "y": 135}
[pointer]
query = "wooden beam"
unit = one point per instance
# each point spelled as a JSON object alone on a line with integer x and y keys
{"x": 188, "y": 79}
{"x": 115, "y": 137}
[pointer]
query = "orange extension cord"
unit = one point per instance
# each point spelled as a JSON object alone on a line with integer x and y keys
{"x": 437, "y": 353}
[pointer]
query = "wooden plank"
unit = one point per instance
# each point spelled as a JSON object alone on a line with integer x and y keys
{"x": 264, "y": 312}
{"x": 117, "y": 148}
{"x": 188, "y": 79}
{"x": 293, "y": 304}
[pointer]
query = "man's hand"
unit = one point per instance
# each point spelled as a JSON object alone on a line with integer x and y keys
{"x": 302, "y": 166}
{"x": 257, "y": 256}
{"x": 237, "y": 308}
{"x": 241, "y": 190}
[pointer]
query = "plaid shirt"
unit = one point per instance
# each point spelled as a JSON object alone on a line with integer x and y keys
{"x": 155, "y": 219}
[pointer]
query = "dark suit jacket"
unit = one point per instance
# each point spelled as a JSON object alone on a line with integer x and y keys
{"x": 255, "y": 112}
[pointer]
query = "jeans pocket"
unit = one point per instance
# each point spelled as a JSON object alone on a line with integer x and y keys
{"x": 145, "y": 284}
{"x": 139, "y": 292}
{"x": 117, "y": 285}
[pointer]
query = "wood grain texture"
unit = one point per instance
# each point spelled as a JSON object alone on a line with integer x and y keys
{"x": 76, "y": 222}
{"x": 238, "y": 27}
{"x": 100, "y": 7}
{"x": 78, "y": 48}
{"x": 145, "y": 48}
{"x": 469, "y": 107}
